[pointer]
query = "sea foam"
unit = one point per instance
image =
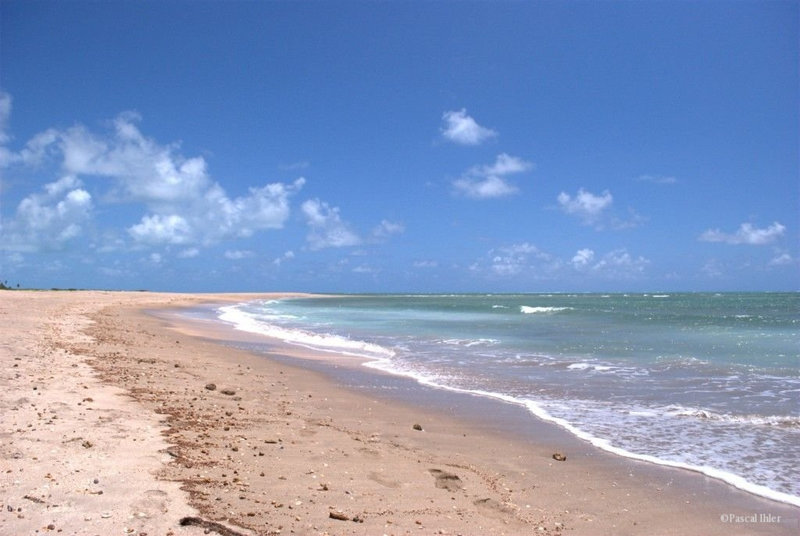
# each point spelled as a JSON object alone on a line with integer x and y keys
{"x": 244, "y": 321}
{"x": 529, "y": 310}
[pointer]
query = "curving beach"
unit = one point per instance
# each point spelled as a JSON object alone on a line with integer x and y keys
{"x": 122, "y": 418}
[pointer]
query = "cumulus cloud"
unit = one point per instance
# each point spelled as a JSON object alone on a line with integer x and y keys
{"x": 616, "y": 264}
{"x": 462, "y": 129}
{"x": 485, "y": 182}
{"x": 326, "y": 227}
{"x": 585, "y": 205}
{"x": 746, "y": 234}
{"x": 486, "y": 188}
{"x": 48, "y": 220}
{"x": 158, "y": 229}
{"x": 582, "y": 258}
{"x": 183, "y": 205}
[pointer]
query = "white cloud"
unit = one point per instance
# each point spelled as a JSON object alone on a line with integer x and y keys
{"x": 183, "y": 205}
{"x": 746, "y": 234}
{"x": 387, "y": 228}
{"x": 505, "y": 164}
{"x": 426, "y": 264}
{"x": 585, "y": 205}
{"x": 38, "y": 147}
{"x": 157, "y": 229}
{"x": 289, "y": 255}
{"x": 463, "y": 129}
{"x": 485, "y": 188}
{"x": 619, "y": 264}
{"x": 781, "y": 259}
{"x": 524, "y": 260}
{"x": 519, "y": 258}
{"x": 49, "y": 219}
{"x": 485, "y": 182}
{"x": 326, "y": 228}
{"x": 365, "y": 269}
{"x": 238, "y": 254}
{"x": 582, "y": 258}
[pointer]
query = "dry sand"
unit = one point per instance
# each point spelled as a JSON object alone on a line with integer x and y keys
{"x": 111, "y": 425}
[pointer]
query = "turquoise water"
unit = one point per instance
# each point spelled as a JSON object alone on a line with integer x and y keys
{"x": 709, "y": 382}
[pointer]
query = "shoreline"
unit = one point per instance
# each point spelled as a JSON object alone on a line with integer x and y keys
{"x": 295, "y": 449}
{"x": 379, "y": 364}
{"x": 332, "y": 363}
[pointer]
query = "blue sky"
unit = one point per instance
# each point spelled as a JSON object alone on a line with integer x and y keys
{"x": 397, "y": 146}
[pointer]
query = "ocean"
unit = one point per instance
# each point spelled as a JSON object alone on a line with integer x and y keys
{"x": 706, "y": 382}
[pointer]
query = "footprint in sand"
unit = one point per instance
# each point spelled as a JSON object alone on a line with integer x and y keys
{"x": 383, "y": 480}
{"x": 445, "y": 480}
{"x": 372, "y": 453}
{"x": 153, "y": 504}
{"x": 493, "y": 508}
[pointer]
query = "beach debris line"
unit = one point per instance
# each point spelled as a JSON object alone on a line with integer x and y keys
{"x": 209, "y": 526}
{"x": 338, "y": 515}
{"x": 559, "y": 457}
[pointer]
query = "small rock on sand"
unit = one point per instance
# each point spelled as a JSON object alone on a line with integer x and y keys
{"x": 211, "y": 386}
{"x": 559, "y": 457}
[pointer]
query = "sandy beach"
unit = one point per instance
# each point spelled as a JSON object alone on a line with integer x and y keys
{"x": 119, "y": 421}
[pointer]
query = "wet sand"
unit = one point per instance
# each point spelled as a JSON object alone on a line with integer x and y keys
{"x": 116, "y": 421}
